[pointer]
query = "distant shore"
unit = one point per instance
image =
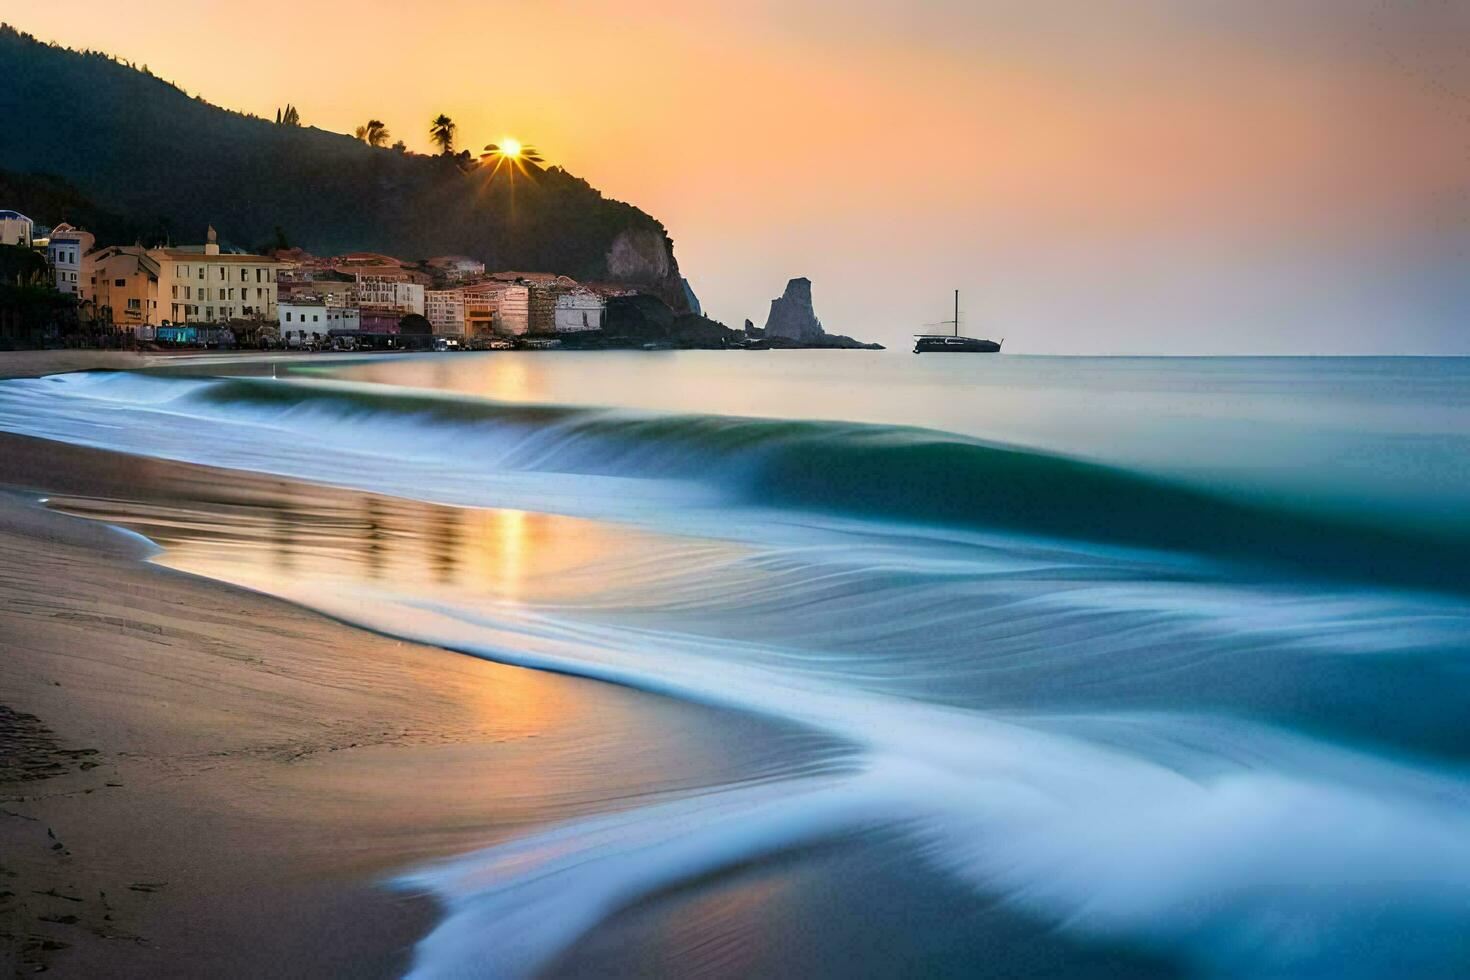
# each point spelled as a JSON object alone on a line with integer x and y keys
{"x": 202, "y": 781}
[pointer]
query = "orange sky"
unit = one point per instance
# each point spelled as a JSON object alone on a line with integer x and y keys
{"x": 1097, "y": 175}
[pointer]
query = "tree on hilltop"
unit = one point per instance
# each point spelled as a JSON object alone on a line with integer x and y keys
{"x": 441, "y": 131}
{"x": 374, "y": 133}
{"x": 288, "y": 116}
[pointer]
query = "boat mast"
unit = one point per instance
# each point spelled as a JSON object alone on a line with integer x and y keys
{"x": 956, "y": 312}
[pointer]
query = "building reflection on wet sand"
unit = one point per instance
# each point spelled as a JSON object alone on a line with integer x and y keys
{"x": 280, "y": 536}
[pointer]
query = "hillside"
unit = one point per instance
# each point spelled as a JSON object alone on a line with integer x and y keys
{"x": 90, "y": 139}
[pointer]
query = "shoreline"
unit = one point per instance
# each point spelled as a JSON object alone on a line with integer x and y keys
{"x": 214, "y": 781}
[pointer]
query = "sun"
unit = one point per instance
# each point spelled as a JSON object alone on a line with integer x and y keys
{"x": 510, "y": 148}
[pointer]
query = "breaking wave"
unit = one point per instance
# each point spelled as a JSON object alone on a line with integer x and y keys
{"x": 879, "y": 472}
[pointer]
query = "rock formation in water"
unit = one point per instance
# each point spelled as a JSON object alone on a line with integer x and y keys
{"x": 793, "y": 323}
{"x": 792, "y": 316}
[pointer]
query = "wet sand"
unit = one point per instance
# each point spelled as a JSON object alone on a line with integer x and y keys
{"x": 35, "y": 363}
{"x": 204, "y": 780}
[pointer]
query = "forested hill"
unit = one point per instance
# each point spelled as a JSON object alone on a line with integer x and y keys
{"x": 88, "y": 138}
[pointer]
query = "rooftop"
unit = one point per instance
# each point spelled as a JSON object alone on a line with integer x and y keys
{"x": 197, "y": 252}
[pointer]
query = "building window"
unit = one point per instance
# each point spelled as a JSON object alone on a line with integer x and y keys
{"x": 133, "y": 305}
{"x": 244, "y": 275}
{"x": 288, "y": 316}
{"x": 201, "y": 272}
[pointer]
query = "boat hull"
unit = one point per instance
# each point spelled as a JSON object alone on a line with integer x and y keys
{"x": 955, "y": 345}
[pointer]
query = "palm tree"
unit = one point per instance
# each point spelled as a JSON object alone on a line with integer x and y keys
{"x": 374, "y": 133}
{"x": 441, "y": 131}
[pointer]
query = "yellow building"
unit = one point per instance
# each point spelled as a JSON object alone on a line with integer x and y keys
{"x": 198, "y": 284}
{"x": 124, "y": 285}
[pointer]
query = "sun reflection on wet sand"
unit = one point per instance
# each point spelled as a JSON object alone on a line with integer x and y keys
{"x": 296, "y": 542}
{"x": 529, "y": 746}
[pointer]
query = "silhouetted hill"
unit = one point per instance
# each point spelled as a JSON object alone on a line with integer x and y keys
{"x": 94, "y": 141}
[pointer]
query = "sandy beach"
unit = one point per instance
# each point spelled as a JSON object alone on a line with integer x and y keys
{"x": 200, "y": 779}
{"x": 36, "y": 363}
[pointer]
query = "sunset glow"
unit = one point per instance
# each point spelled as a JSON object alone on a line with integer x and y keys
{"x": 1230, "y": 145}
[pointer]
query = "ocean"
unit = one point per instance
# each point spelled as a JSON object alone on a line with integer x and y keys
{"x": 1095, "y": 666}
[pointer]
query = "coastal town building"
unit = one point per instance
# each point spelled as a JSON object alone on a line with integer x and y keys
{"x": 307, "y": 322}
{"x": 332, "y": 288}
{"x": 541, "y": 308}
{"x": 457, "y": 268}
{"x": 580, "y": 309}
{"x": 527, "y": 278}
{"x": 388, "y": 293}
{"x": 199, "y": 284}
{"x": 124, "y": 280}
{"x": 16, "y": 229}
{"x": 379, "y": 321}
{"x": 71, "y": 266}
{"x": 365, "y": 264}
{"x": 544, "y": 292}
{"x": 497, "y": 308}
{"x": 444, "y": 309}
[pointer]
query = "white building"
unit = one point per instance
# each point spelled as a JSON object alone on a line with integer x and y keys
{"x": 198, "y": 284}
{"x": 444, "y": 308}
{"x": 16, "y": 229}
{"x": 579, "y": 309}
{"x": 383, "y": 293}
{"x": 71, "y": 268}
{"x": 308, "y": 322}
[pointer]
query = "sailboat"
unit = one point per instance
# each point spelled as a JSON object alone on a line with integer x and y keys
{"x": 946, "y": 343}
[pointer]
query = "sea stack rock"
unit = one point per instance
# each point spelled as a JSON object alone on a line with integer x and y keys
{"x": 792, "y": 316}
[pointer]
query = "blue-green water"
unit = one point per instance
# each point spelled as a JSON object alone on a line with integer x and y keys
{"x": 1162, "y": 658}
